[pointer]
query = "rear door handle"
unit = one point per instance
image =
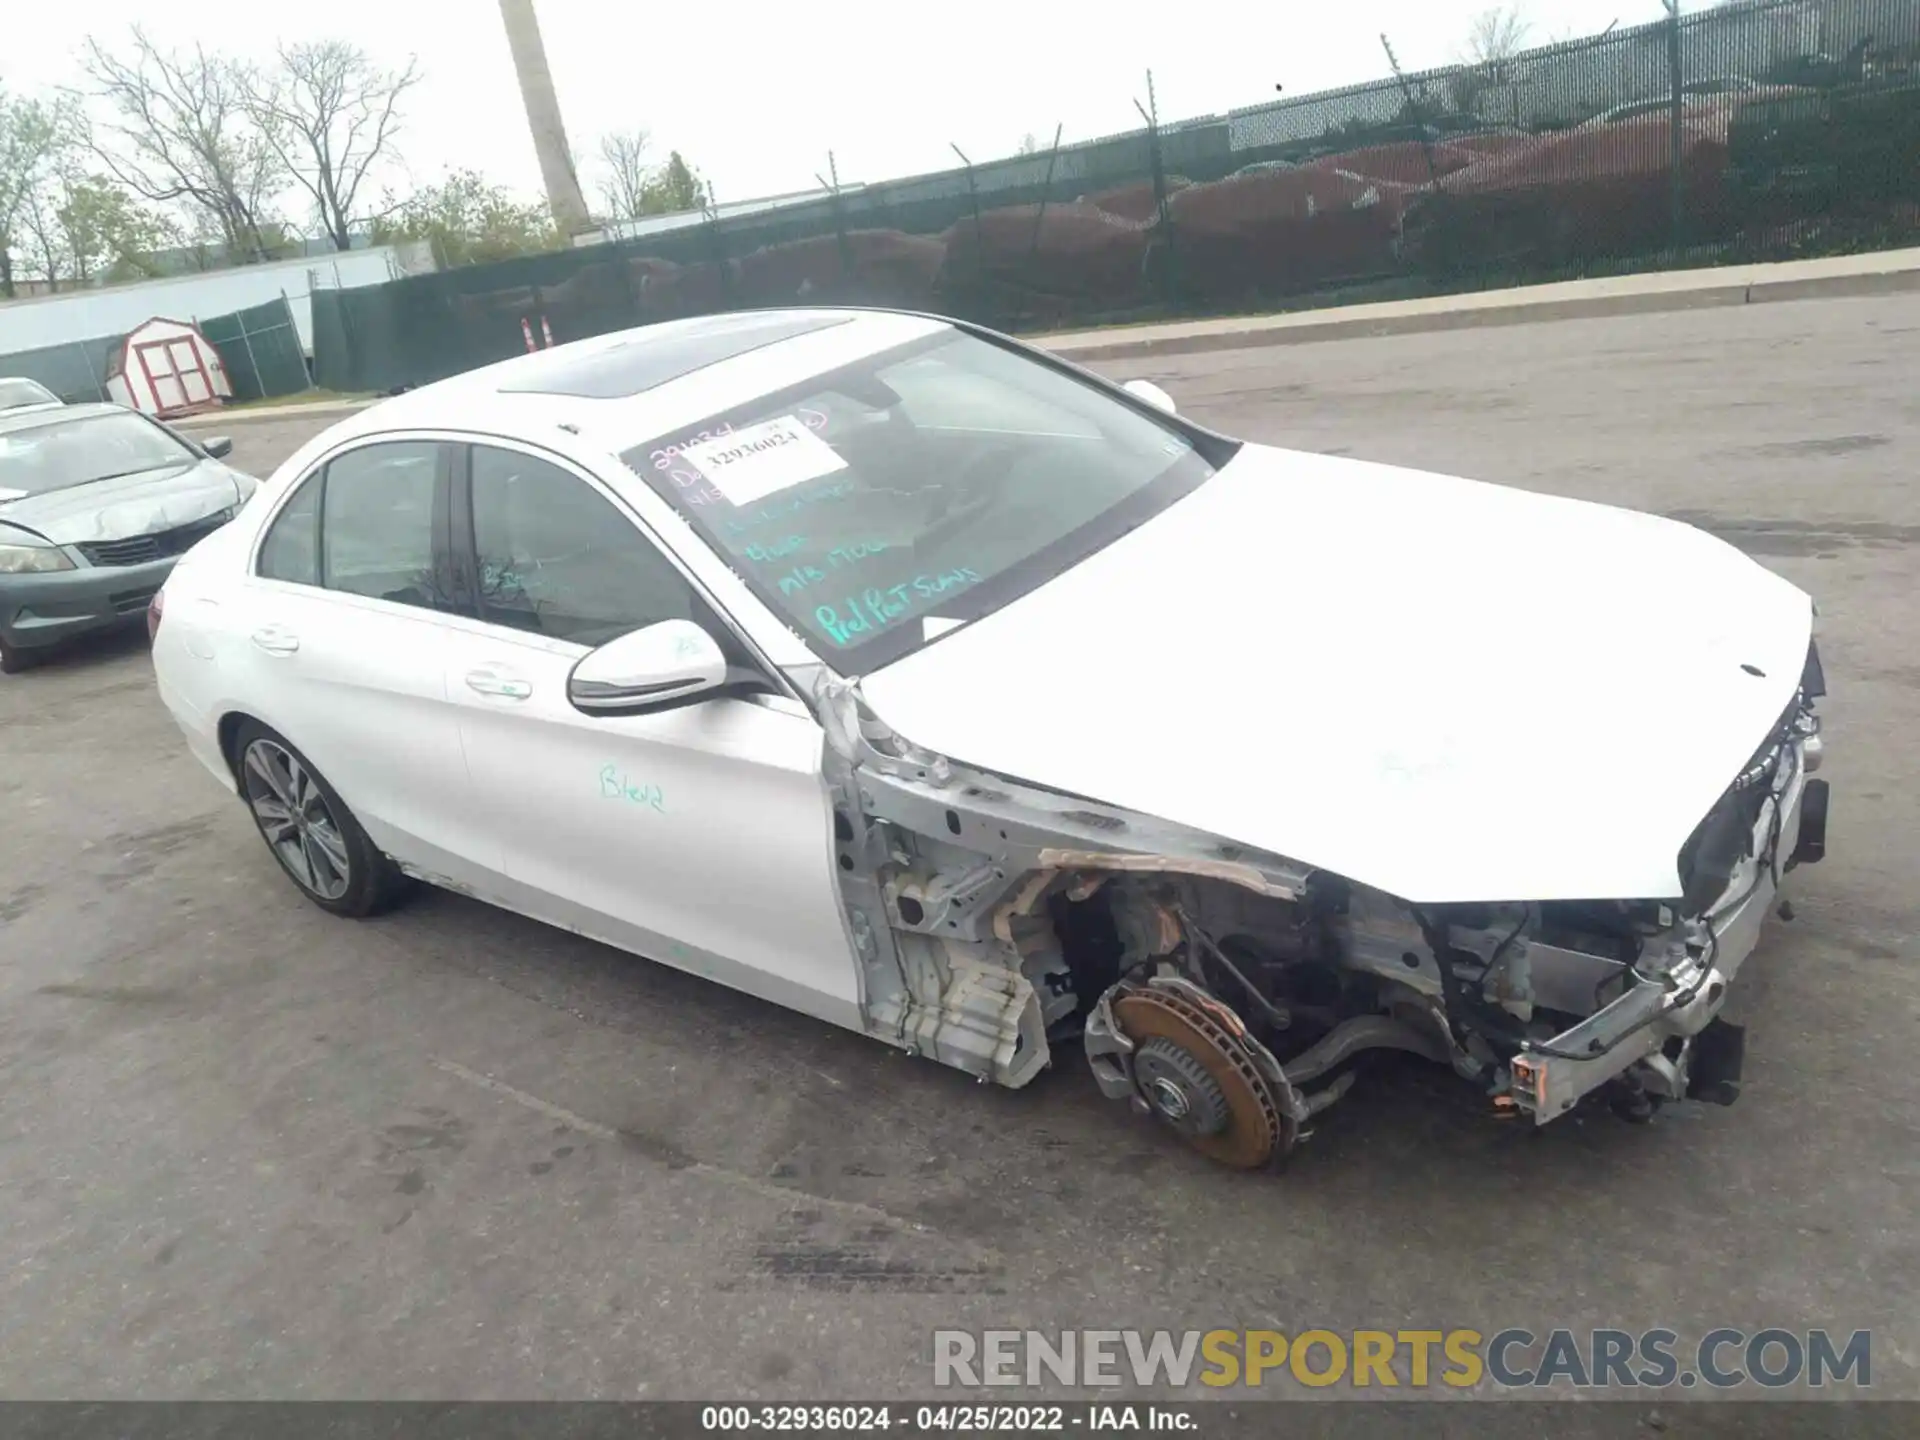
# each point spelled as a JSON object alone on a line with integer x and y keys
{"x": 496, "y": 683}
{"x": 276, "y": 641}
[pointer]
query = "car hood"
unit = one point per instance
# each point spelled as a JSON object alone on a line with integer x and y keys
{"x": 126, "y": 505}
{"x": 1448, "y": 690}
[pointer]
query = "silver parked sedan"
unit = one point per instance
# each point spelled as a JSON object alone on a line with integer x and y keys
{"x": 97, "y": 502}
{"x": 18, "y": 393}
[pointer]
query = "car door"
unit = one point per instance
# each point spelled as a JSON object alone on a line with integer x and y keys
{"x": 699, "y": 836}
{"x": 339, "y": 646}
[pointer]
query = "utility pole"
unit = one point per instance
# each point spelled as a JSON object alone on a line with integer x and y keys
{"x": 564, "y": 197}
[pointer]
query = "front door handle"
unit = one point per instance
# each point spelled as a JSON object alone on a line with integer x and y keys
{"x": 275, "y": 640}
{"x": 493, "y": 682}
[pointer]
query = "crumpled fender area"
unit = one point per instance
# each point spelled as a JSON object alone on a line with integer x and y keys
{"x": 945, "y": 875}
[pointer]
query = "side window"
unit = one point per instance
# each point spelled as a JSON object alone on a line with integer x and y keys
{"x": 291, "y": 550}
{"x": 376, "y": 531}
{"x": 559, "y": 559}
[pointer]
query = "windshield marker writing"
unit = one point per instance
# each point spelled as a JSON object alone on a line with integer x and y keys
{"x": 663, "y": 459}
{"x": 774, "y": 549}
{"x": 801, "y": 576}
{"x": 874, "y": 609}
{"x": 848, "y": 554}
{"x": 694, "y": 490}
{"x": 946, "y": 580}
{"x": 783, "y": 508}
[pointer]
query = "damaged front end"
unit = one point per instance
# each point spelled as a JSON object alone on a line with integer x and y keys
{"x": 1225, "y": 991}
{"x": 1650, "y": 1030}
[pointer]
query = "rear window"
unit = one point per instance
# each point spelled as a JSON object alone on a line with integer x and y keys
{"x": 877, "y": 506}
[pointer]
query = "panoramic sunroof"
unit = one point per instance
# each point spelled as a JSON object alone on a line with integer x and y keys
{"x": 649, "y": 360}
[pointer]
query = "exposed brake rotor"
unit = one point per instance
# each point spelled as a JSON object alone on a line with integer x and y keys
{"x": 1200, "y": 1079}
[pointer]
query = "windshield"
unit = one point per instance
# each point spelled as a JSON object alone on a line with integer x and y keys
{"x": 16, "y": 392}
{"x": 877, "y": 506}
{"x": 75, "y": 450}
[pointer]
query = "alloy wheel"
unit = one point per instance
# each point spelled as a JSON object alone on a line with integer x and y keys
{"x": 296, "y": 821}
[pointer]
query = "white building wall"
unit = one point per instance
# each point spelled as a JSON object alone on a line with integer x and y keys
{"x": 48, "y": 320}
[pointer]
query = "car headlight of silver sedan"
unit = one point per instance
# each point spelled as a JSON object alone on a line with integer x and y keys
{"x": 32, "y": 559}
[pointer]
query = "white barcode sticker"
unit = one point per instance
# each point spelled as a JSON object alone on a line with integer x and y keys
{"x": 748, "y": 465}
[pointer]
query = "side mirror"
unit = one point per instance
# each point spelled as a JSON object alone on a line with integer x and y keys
{"x": 657, "y": 667}
{"x": 1152, "y": 394}
{"x": 218, "y": 446}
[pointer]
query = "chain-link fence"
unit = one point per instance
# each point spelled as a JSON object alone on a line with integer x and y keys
{"x": 1759, "y": 130}
{"x": 76, "y": 371}
{"x": 259, "y": 347}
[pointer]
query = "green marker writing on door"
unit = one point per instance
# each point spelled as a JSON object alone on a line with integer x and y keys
{"x": 615, "y": 785}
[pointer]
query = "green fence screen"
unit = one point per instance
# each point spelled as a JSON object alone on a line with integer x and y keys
{"x": 1754, "y": 130}
{"x": 76, "y": 372}
{"x": 260, "y": 347}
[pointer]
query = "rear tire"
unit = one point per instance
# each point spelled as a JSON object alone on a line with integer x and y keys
{"x": 308, "y": 828}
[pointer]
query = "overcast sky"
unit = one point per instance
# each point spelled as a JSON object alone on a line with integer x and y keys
{"x": 756, "y": 95}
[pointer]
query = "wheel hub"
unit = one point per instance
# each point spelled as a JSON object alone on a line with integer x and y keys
{"x": 1201, "y": 1081}
{"x": 294, "y": 819}
{"x": 1170, "y": 1098}
{"x": 1179, "y": 1088}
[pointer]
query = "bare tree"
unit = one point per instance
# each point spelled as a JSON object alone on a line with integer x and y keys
{"x": 1494, "y": 37}
{"x": 181, "y": 131}
{"x": 1497, "y": 35}
{"x": 329, "y": 114}
{"x": 628, "y": 176}
{"x": 633, "y": 188}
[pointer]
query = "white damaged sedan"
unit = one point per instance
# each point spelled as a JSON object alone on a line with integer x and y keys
{"x": 899, "y": 673}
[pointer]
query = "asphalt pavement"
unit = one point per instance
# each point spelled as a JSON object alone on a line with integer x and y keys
{"x": 249, "y": 1150}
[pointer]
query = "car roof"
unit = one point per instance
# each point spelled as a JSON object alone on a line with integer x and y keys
{"x": 25, "y": 417}
{"x": 622, "y": 389}
{"x": 647, "y": 358}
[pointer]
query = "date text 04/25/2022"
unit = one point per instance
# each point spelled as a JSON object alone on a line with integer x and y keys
{"x": 962, "y": 1418}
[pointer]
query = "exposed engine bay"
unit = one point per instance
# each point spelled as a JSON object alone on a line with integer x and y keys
{"x": 1227, "y": 992}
